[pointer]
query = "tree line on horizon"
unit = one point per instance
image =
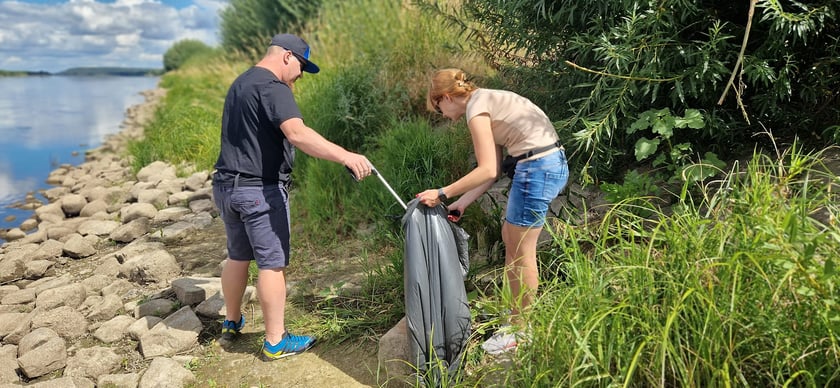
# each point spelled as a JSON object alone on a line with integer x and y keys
{"x": 87, "y": 71}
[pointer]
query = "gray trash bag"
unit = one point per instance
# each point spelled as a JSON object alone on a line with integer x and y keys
{"x": 436, "y": 306}
{"x": 462, "y": 242}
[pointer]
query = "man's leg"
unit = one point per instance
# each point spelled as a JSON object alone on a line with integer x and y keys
{"x": 234, "y": 272}
{"x": 271, "y": 289}
{"x": 234, "y": 280}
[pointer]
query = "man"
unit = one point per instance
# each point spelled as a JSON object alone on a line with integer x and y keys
{"x": 261, "y": 127}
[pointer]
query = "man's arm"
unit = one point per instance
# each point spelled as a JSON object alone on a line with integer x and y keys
{"x": 312, "y": 143}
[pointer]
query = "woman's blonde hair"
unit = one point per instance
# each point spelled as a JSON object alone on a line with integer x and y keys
{"x": 452, "y": 82}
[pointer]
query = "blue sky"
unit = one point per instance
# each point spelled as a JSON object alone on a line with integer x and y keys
{"x": 54, "y": 35}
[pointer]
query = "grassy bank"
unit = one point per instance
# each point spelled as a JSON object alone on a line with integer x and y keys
{"x": 732, "y": 284}
{"x": 734, "y": 287}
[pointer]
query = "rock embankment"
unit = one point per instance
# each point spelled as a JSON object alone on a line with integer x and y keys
{"x": 89, "y": 293}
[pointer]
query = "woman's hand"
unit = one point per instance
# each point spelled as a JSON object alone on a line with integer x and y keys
{"x": 456, "y": 210}
{"x": 429, "y": 197}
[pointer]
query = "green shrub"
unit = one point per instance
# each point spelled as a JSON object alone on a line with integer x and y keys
{"x": 182, "y": 51}
{"x": 347, "y": 106}
{"x": 594, "y": 67}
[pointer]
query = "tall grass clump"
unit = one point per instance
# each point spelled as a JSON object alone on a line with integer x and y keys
{"x": 410, "y": 157}
{"x": 346, "y": 105}
{"x": 403, "y": 43}
{"x": 736, "y": 289}
{"x": 248, "y": 25}
{"x": 372, "y": 85}
{"x": 413, "y": 156}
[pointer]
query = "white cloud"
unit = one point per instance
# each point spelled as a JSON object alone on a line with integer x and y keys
{"x": 130, "y": 33}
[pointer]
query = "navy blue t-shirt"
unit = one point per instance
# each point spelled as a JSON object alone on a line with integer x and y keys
{"x": 252, "y": 143}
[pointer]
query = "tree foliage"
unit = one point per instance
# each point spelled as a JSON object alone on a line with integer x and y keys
{"x": 248, "y": 25}
{"x": 596, "y": 66}
{"x": 182, "y": 51}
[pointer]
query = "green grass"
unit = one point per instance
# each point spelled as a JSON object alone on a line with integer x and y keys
{"x": 185, "y": 128}
{"x": 737, "y": 289}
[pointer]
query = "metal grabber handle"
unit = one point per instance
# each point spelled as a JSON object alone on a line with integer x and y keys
{"x": 381, "y": 179}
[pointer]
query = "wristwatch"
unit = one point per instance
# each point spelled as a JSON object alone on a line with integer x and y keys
{"x": 441, "y": 195}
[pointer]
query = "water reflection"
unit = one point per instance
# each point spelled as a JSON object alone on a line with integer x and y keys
{"x": 45, "y": 120}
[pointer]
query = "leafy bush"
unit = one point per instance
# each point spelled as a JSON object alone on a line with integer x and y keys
{"x": 677, "y": 149}
{"x": 596, "y": 66}
{"x": 347, "y": 105}
{"x": 182, "y": 51}
{"x": 635, "y": 185}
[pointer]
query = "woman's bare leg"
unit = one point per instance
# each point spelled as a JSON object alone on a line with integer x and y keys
{"x": 521, "y": 265}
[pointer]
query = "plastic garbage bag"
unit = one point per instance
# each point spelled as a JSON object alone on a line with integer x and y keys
{"x": 436, "y": 306}
{"x": 462, "y": 242}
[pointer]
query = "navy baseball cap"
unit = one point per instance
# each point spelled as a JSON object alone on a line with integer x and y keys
{"x": 298, "y": 47}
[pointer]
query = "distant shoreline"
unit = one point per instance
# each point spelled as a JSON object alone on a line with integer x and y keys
{"x": 88, "y": 71}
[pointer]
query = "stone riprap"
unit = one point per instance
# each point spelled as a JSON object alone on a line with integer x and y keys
{"x": 89, "y": 294}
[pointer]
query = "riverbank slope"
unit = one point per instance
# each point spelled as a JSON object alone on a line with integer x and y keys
{"x": 76, "y": 293}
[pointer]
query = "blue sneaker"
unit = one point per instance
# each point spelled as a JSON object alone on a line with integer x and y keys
{"x": 288, "y": 346}
{"x": 231, "y": 329}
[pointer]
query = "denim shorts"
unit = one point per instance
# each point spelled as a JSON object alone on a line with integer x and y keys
{"x": 535, "y": 184}
{"x": 256, "y": 223}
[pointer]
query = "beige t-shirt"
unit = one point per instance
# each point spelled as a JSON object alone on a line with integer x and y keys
{"x": 518, "y": 124}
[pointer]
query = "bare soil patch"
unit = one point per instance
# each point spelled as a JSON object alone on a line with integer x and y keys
{"x": 238, "y": 364}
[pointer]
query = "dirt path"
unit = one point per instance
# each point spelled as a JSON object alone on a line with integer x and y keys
{"x": 324, "y": 365}
{"x": 237, "y": 364}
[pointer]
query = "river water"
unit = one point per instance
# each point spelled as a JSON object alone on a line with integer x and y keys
{"x": 49, "y": 121}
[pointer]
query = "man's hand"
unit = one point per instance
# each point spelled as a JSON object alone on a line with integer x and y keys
{"x": 359, "y": 165}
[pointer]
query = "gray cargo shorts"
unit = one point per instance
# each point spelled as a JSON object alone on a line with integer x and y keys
{"x": 256, "y": 222}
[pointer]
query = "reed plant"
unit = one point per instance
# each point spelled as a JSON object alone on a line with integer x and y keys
{"x": 734, "y": 288}
{"x": 248, "y": 25}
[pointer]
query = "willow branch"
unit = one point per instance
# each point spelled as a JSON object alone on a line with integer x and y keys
{"x": 735, "y": 70}
{"x": 625, "y": 77}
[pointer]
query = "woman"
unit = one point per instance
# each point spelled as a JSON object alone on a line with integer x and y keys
{"x": 500, "y": 119}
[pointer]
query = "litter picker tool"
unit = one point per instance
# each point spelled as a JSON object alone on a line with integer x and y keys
{"x": 374, "y": 171}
